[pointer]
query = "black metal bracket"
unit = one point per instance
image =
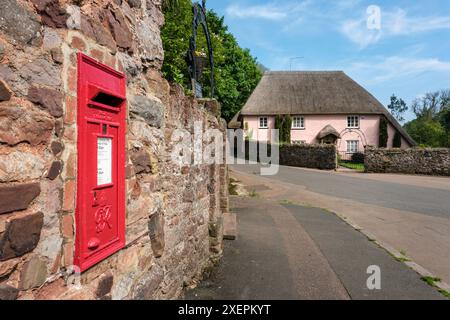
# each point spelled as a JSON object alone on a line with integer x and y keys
{"x": 199, "y": 20}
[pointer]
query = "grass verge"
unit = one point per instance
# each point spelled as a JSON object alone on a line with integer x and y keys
{"x": 354, "y": 166}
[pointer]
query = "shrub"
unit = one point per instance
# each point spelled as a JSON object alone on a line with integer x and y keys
{"x": 358, "y": 157}
{"x": 383, "y": 139}
{"x": 397, "y": 140}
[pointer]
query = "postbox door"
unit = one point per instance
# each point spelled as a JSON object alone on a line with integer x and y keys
{"x": 101, "y": 219}
{"x": 100, "y": 216}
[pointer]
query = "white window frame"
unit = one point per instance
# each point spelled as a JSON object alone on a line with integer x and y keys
{"x": 296, "y": 120}
{"x": 263, "y": 122}
{"x": 353, "y": 122}
{"x": 352, "y": 146}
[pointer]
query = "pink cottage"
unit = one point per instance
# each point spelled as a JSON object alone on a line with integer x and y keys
{"x": 326, "y": 107}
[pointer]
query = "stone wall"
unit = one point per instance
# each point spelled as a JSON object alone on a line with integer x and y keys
{"x": 316, "y": 156}
{"x": 173, "y": 213}
{"x": 409, "y": 161}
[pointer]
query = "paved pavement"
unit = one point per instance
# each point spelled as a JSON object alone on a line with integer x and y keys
{"x": 295, "y": 252}
{"x": 270, "y": 260}
{"x": 408, "y": 215}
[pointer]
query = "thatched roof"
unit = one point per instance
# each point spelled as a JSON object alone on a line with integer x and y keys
{"x": 328, "y": 130}
{"x": 314, "y": 92}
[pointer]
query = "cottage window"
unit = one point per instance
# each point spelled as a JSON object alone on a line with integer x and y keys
{"x": 263, "y": 123}
{"x": 352, "y": 146}
{"x": 298, "y": 122}
{"x": 353, "y": 122}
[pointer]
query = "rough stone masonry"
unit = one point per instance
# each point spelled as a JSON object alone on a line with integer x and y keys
{"x": 425, "y": 161}
{"x": 173, "y": 213}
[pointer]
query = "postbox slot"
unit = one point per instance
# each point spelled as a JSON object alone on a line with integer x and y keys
{"x": 101, "y": 98}
{"x": 107, "y": 99}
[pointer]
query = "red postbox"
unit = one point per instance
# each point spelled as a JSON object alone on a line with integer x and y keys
{"x": 100, "y": 212}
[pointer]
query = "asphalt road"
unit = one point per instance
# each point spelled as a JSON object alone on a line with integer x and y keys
{"x": 350, "y": 254}
{"x": 420, "y": 199}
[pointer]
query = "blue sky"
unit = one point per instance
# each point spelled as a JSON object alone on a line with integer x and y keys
{"x": 406, "y": 51}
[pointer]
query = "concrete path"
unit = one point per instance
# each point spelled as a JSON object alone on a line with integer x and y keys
{"x": 294, "y": 252}
{"x": 410, "y": 219}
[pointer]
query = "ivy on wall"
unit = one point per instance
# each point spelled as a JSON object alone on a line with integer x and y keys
{"x": 284, "y": 125}
{"x": 397, "y": 140}
{"x": 384, "y": 136}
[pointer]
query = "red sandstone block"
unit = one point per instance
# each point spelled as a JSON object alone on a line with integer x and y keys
{"x": 69, "y": 133}
{"x": 71, "y": 110}
{"x": 97, "y": 55}
{"x": 67, "y": 226}
{"x": 72, "y": 80}
{"x": 68, "y": 254}
{"x": 78, "y": 43}
{"x": 71, "y": 166}
{"x": 69, "y": 195}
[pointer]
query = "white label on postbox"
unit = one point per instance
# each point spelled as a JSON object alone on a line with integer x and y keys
{"x": 104, "y": 161}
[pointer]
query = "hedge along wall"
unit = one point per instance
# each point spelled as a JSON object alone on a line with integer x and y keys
{"x": 173, "y": 214}
{"x": 317, "y": 156}
{"x": 408, "y": 161}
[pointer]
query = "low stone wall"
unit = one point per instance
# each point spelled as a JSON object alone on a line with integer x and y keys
{"x": 309, "y": 156}
{"x": 315, "y": 156}
{"x": 408, "y": 161}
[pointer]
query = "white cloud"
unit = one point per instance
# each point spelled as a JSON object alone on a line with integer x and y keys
{"x": 398, "y": 23}
{"x": 393, "y": 23}
{"x": 268, "y": 11}
{"x": 388, "y": 69}
{"x": 357, "y": 32}
{"x": 276, "y": 11}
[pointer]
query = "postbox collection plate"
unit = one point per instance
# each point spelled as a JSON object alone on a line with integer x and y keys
{"x": 100, "y": 206}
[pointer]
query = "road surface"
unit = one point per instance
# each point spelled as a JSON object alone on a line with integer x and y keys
{"x": 408, "y": 215}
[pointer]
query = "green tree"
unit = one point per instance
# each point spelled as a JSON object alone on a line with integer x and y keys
{"x": 236, "y": 71}
{"x": 287, "y": 127}
{"x": 445, "y": 123}
{"x": 428, "y": 106}
{"x": 383, "y": 134}
{"x": 170, "y": 4}
{"x": 283, "y": 123}
{"x": 431, "y": 128}
{"x": 427, "y": 133}
{"x": 444, "y": 115}
{"x": 278, "y": 122}
{"x": 175, "y": 37}
{"x": 397, "y": 107}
